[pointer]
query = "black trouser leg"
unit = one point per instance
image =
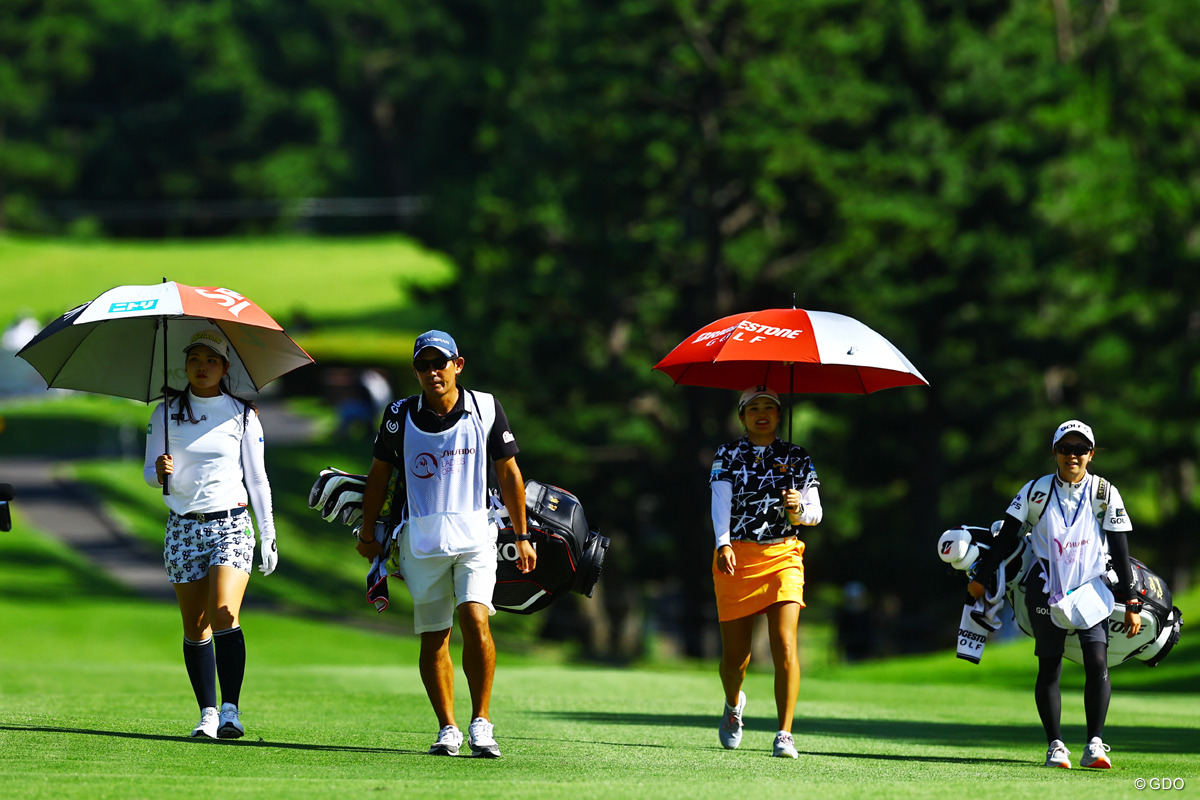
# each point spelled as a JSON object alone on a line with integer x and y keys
{"x": 1048, "y": 696}
{"x": 1097, "y": 688}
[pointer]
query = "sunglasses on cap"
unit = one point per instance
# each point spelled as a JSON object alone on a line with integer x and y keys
{"x": 1065, "y": 449}
{"x": 426, "y": 364}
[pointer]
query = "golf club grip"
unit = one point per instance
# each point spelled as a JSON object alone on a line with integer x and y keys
{"x": 166, "y": 484}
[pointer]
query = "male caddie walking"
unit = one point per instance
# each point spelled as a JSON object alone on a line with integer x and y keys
{"x": 441, "y": 441}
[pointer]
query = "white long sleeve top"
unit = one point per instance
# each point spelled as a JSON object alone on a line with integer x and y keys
{"x": 218, "y": 464}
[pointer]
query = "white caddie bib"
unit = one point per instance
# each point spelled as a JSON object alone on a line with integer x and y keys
{"x": 447, "y": 488}
{"x": 1077, "y": 595}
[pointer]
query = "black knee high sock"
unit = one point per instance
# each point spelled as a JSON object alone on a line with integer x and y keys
{"x": 1097, "y": 688}
{"x": 202, "y": 669}
{"x": 1048, "y": 697}
{"x": 231, "y": 662}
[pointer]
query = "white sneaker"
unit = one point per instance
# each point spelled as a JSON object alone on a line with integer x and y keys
{"x": 209, "y": 720}
{"x": 1094, "y": 755}
{"x": 730, "y": 732}
{"x": 784, "y": 747}
{"x": 448, "y": 741}
{"x": 1056, "y": 755}
{"x": 231, "y": 726}
{"x": 479, "y": 737}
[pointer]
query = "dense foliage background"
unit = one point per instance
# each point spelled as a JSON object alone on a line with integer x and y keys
{"x": 1006, "y": 189}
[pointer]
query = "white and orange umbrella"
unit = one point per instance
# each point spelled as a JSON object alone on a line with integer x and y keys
{"x": 129, "y": 341}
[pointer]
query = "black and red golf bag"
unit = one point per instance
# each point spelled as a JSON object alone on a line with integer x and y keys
{"x": 570, "y": 555}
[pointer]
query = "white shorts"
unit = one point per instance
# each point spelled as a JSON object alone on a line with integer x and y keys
{"x": 439, "y": 584}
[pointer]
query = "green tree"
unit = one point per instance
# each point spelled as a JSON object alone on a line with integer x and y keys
{"x": 650, "y": 167}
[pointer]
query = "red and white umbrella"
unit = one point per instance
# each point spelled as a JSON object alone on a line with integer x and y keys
{"x": 129, "y": 341}
{"x": 789, "y": 351}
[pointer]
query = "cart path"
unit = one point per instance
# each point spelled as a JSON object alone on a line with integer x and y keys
{"x": 70, "y": 512}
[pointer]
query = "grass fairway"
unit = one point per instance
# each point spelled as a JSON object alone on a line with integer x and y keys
{"x": 354, "y": 294}
{"x": 94, "y": 703}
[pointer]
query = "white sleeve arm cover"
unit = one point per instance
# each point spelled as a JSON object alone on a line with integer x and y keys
{"x": 254, "y": 472}
{"x": 155, "y": 447}
{"x": 811, "y": 511}
{"x": 722, "y": 507}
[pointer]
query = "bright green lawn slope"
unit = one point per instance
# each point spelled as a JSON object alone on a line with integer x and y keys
{"x": 94, "y": 703}
{"x": 351, "y": 291}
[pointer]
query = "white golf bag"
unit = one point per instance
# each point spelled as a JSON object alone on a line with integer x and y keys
{"x": 962, "y": 547}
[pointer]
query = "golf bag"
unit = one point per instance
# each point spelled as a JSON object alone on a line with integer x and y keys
{"x": 570, "y": 556}
{"x": 1161, "y": 621}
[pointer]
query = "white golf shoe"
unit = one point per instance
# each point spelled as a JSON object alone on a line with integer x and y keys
{"x": 479, "y": 737}
{"x": 210, "y": 718}
{"x": 730, "y": 732}
{"x": 1094, "y": 755}
{"x": 449, "y": 739}
{"x": 785, "y": 746}
{"x": 1056, "y": 755}
{"x": 231, "y": 725}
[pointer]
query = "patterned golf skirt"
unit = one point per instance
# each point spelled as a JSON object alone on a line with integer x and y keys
{"x": 190, "y": 547}
{"x": 764, "y": 575}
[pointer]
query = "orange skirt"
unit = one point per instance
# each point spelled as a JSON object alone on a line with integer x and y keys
{"x": 764, "y": 575}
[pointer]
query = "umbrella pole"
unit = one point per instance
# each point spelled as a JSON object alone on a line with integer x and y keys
{"x": 791, "y": 400}
{"x": 791, "y": 395}
{"x": 166, "y": 409}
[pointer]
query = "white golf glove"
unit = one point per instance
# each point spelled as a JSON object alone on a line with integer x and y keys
{"x": 268, "y": 553}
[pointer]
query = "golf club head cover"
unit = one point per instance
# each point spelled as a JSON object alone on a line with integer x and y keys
{"x": 329, "y": 481}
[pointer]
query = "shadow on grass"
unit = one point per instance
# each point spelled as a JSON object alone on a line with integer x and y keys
{"x": 66, "y": 435}
{"x": 71, "y": 580}
{"x": 949, "y": 734}
{"x": 208, "y": 742}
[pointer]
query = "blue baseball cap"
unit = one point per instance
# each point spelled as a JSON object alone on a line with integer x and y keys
{"x": 439, "y": 340}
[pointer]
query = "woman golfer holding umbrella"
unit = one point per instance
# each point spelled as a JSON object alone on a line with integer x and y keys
{"x": 217, "y": 444}
{"x": 762, "y": 489}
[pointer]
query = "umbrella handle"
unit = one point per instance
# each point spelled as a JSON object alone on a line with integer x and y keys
{"x": 166, "y": 404}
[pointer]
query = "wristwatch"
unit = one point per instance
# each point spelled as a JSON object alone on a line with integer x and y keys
{"x": 523, "y": 537}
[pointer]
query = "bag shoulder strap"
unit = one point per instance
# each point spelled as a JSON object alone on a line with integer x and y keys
{"x": 1100, "y": 498}
{"x": 485, "y": 409}
{"x": 1039, "y": 492}
{"x": 1100, "y": 508}
{"x": 395, "y": 505}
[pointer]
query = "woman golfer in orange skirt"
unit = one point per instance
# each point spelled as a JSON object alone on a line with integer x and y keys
{"x": 762, "y": 489}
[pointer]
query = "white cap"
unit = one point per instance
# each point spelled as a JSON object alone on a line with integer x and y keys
{"x": 211, "y": 338}
{"x": 1074, "y": 426}
{"x": 753, "y": 393}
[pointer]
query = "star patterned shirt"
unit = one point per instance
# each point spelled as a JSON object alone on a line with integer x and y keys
{"x": 758, "y": 476}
